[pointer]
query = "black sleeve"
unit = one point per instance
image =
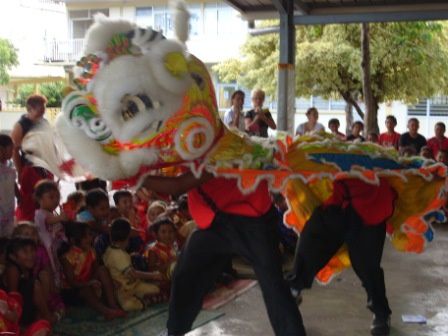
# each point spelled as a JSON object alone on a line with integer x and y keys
{"x": 249, "y": 114}
{"x": 402, "y": 142}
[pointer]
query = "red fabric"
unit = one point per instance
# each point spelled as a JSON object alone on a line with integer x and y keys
{"x": 437, "y": 144}
{"x": 373, "y": 203}
{"x": 28, "y": 179}
{"x": 37, "y": 327}
{"x": 14, "y": 303}
{"x": 389, "y": 140}
{"x": 228, "y": 198}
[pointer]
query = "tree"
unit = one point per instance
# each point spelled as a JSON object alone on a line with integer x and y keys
{"x": 8, "y": 59}
{"x": 53, "y": 91}
{"x": 407, "y": 62}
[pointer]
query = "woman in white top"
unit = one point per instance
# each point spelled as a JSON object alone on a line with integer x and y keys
{"x": 311, "y": 125}
{"x": 234, "y": 117}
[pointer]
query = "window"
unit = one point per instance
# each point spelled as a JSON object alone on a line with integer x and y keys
{"x": 81, "y": 20}
{"x": 195, "y": 23}
{"x": 79, "y": 28}
{"x": 228, "y": 20}
{"x": 211, "y": 19}
{"x": 143, "y": 17}
{"x": 163, "y": 21}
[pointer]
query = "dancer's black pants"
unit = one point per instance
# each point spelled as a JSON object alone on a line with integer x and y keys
{"x": 324, "y": 233}
{"x": 204, "y": 256}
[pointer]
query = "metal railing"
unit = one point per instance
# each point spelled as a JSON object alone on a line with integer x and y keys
{"x": 63, "y": 50}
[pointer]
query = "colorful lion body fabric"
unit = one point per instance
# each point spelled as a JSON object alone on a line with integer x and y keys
{"x": 144, "y": 103}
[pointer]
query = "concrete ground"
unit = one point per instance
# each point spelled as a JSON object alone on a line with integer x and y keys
{"x": 416, "y": 284}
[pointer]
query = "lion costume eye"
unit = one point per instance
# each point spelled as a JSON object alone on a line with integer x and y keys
{"x": 133, "y": 104}
{"x": 198, "y": 80}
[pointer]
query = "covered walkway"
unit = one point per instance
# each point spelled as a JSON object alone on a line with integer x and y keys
{"x": 415, "y": 283}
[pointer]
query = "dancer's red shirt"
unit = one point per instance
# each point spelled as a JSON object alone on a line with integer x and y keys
{"x": 373, "y": 203}
{"x": 229, "y": 199}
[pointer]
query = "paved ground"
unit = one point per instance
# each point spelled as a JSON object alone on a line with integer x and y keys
{"x": 416, "y": 284}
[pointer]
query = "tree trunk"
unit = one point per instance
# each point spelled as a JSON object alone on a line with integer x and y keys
{"x": 371, "y": 110}
{"x": 348, "y": 117}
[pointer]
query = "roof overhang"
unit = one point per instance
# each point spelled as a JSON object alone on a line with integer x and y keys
{"x": 344, "y": 11}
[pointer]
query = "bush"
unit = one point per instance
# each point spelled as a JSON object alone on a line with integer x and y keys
{"x": 52, "y": 91}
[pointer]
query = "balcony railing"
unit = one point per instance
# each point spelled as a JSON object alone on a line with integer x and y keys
{"x": 68, "y": 51}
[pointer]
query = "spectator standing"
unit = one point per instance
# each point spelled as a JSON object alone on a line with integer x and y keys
{"x": 234, "y": 117}
{"x": 439, "y": 141}
{"x": 7, "y": 186}
{"x": 28, "y": 174}
{"x": 35, "y": 106}
{"x": 311, "y": 125}
{"x": 412, "y": 138}
{"x": 258, "y": 120}
{"x": 357, "y": 128}
{"x": 333, "y": 126}
{"x": 390, "y": 138}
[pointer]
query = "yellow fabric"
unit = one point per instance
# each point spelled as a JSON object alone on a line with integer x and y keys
{"x": 132, "y": 300}
{"x": 118, "y": 262}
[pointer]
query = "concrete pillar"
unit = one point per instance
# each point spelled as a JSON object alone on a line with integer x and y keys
{"x": 286, "y": 71}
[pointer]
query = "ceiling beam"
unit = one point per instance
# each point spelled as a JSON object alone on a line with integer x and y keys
{"x": 302, "y": 6}
{"x": 280, "y": 5}
{"x": 370, "y": 17}
{"x": 236, "y": 5}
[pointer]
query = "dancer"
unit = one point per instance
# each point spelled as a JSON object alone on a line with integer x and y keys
{"x": 347, "y": 217}
{"x": 230, "y": 223}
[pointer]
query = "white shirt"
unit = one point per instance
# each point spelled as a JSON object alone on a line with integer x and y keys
{"x": 229, "y": 117}
{"x": 300, "y": 130}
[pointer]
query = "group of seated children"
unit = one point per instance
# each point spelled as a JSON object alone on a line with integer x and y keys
{"x": 113, "y": 259}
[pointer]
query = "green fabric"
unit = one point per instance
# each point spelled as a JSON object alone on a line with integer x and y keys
{"x": 152, "y": 321}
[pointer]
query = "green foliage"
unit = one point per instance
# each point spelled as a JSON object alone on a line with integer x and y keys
{"x": 8, "y": 59}
{"x": 23, "y": 92}
{"x": 53, "y": 92}
{"x": 408, "y": 61}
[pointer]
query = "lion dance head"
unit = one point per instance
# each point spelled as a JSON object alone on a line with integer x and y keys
{"x": 141, "y": 101}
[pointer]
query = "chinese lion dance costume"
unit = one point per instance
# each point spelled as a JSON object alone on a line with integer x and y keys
{"x": 144, "y": 103}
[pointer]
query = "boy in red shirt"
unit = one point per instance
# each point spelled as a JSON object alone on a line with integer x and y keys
{"x": 439, "y": 141}
{"x": 230, "y": 223}
{"x": 390, "y": 138}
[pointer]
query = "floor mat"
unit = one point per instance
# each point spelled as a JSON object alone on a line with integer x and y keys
{"x": 224, "y": 294}
{"x": 152, "y": 321}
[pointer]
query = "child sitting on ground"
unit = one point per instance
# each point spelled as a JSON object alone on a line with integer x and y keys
{"x": 11, "y": 306}
{"x": 18, "y": 277}
{"x": 84, "y": 279}
{"x": 185, "y": 225}
{"x": 125, "y": 205}
{"x": 155, "y": 209}
{"x": 8, "y": 186}
{"x": 162, "y": 254}
{"x": 42, "y": 269}
{"x": 48, "y": 222}
{"x": 96, "y": 212}
{"x": 75, "y": 202}
{"x": 131, "y": 290}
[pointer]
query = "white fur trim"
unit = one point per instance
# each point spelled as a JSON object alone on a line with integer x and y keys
{"x": 101, "y": 32}
{"x": 89, "y": 153}
{"x": 181, "y": 18}
{"x": 164, "y": 78}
